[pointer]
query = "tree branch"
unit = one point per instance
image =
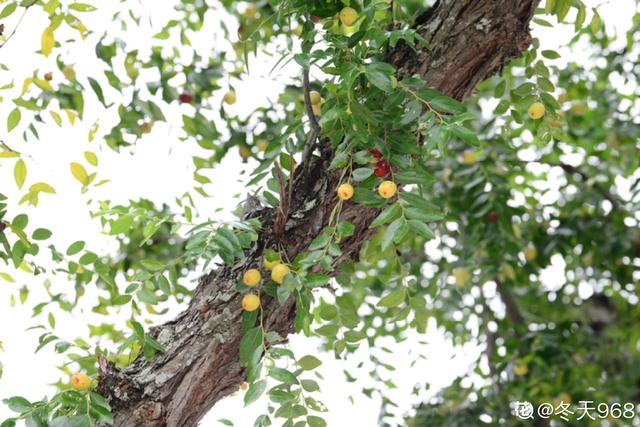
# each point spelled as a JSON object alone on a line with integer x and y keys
{"x": 471, "y": 41}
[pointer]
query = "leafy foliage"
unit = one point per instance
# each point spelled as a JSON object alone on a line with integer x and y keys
{"x": 475, "y": 189}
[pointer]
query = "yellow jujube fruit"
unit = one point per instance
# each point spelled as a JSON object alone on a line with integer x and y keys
{"x": 345, "y": 191}
{"x": 147, "y": 127}
{"x": 536, "y": 110}
{"x": 387, "y": 189}
{"x": 348, "y": 16}
{"x": 521, "y": 369}
{"x": 230, "y": 97}
{"x": 252, "y": 277}
{"x": 80, "y": 382}
{"x": 469, "y": 157}
{"x": 250, "y": 12}
{"x": 461, "y": 275}
{"x": 245, "y": 152}
{"x": 278, "y": 273}
{"x": 506, "y": 271}
{"x": 250, "y": 302}
{"x": 530, "y": 253}
{"x": 269, "y": 265}
{"x": 315, "y": 97}
{"x": 317, "y": 108}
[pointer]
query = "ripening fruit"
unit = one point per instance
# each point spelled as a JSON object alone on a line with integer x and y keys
{"x": 147, "y": 127}
{"x": 536, "y": 110}
{"x": 278, "y": 273}
{"x": 348, "y": 16}
{"x": 48, "y": 77}
{"x": 469, "y": 157}
{"x": 80, "y": 382}
{"x": 377, "y": 154}
{"x": 530, "y": 253}
{"x": 492, "y": 217}
{"x": 245, "y": 152}
{"x": 506, "y": 271}
{"x": 251, "y": 277}
{"x": 244, "y": 386}
{"x": 269, "y": 265}
{"x": 186, "y": 98}
{"x": 382, "y": 169}
{"x": 345, "y": 191}
{"x": 250, "y": 12}
{"x": 387, "y": 189}
{"x": 262, "y": 145}
{"x": 521, "y": 369}
{"x": 315, "y": 97}
{"x": 250, "y": 302}
{"x": 461, "y": 275}
{"x": 230, "y": 97}
{"x": 317, "y": 109}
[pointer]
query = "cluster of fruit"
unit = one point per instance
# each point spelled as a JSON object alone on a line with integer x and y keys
{"x": 386, "y": 189}
{"x": 253, "y": 277}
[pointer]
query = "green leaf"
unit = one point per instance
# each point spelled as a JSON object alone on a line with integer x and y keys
{"x": 550, "y": 54}
{"x": 327, "y": 330}
{"x": 8, "y": 10}
{"x": 254, "y": 392}
{"x": 13, "y": 119}
{"x": 393, "y": 299}
{"x": 91, "y": 158}
{"x": 75, "y": 247}
{"x": 82, "y": 7}
{"x": 391, "y": 232}
{"x": 361, "y": 174}
{"x": 20, "y": 173}
{"x": 251, "y": 340}
{"x": 379, "y": 74}
{"x": 152, "y": 264}
{"x": 422, "y": 229}
{"x": 314, "y": 421}
{"x": 309, "y": 363}
{"x": 47, "y": 41}
{"x": 80, "y": 173}
{"x": 283, "y": 375}
{"x": 445, "y": 104}
{"x": 387, "y": 215}
{"x": 41, "y": 234}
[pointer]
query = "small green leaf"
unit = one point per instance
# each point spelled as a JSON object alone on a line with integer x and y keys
{"x": 13, "y": 119}
{"x": 309, "y": 363}
{"x": 41, "y": 234}
{"x": 20, "y": 173}
{"x": 254, "y": 392}
{"x": 393, "y": 299}
{"x": 75, "y": 247}
{"x": 80, "y": 173}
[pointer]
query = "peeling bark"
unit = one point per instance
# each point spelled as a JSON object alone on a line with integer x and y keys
{"x": 471, "y": 40}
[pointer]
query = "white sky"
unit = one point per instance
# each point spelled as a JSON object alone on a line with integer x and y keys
{"x": 144, "y": 174}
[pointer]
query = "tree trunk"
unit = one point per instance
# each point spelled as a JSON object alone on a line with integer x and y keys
{"x": 471, "y": 39}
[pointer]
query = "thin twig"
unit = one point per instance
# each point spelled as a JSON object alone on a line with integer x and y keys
{"x": 315, "y": 127}
{"x": 17, "y": 25}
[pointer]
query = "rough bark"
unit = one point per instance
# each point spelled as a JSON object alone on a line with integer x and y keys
{"x": 471, "y": 39}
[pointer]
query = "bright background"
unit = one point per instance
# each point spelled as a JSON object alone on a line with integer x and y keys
{"x": 160, "y": 169}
